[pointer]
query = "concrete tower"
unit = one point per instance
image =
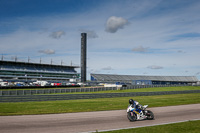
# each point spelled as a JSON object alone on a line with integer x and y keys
{"x": 83, "y": 56}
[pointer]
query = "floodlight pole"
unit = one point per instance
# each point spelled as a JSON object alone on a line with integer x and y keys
{"x": 83, "y": 56}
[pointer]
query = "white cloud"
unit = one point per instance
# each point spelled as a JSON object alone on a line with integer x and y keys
{"x": 90, "y": 33}
{"x": 114, "y": 23}
{"x": 57, "y": 34}
{"x": 107, "y": 68}
{"x": 155, "y": 67}
{"x": 47, "y": 51}
{"x": 181, "y": 51}
{"x": 140, "y": 49}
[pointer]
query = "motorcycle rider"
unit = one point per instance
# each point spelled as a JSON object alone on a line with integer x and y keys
{"x": 137, "y": 106}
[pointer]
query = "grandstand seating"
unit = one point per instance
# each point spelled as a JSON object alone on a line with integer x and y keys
{"x": 154, "y": 79}
{"x": 36, "y": 71}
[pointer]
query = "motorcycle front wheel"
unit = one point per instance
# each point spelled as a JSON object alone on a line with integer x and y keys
{"x": 150, "y": 115}
{"x": 131, "y": 116}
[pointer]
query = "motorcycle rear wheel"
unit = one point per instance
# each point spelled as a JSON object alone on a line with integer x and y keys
{"x": 150, "y": 115}
{"x": 131, "y": 116}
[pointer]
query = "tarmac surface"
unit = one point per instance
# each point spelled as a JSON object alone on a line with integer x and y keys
{"x": 94, "y": 121}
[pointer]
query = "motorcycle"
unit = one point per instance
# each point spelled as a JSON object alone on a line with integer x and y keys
{"x": 134, "y": 115}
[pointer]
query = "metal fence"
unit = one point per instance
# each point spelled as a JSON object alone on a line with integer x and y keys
{"x": 75, "y": 90}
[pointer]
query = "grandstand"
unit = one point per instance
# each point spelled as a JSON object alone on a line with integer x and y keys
{"x": 144, "y": 80}
{"x": 23, "y": 71}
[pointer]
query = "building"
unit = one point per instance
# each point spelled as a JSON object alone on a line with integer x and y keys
{"x": 144, "y": 80}
{"x": 24, "y": 71}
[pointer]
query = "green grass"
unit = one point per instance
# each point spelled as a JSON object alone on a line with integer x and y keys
{"x": 101, "y": 104}
{"x": 183, "y": 127}
{"x": 179, "y": 88}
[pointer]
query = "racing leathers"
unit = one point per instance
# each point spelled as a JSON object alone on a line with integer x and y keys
{"x": 139, "y": 108}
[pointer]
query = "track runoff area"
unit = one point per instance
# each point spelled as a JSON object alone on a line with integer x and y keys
{"x": 95, "y": 121}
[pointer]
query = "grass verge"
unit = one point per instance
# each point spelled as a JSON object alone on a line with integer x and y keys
{"x": 183, "y": 127}
{"x": 179, "y": 88}
{"x": 101, "y": 104}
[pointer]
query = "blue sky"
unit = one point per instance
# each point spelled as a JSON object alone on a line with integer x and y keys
{"x": 129, "y": 37}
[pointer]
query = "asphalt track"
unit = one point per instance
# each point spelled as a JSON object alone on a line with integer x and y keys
{"x": 93, "y": 121}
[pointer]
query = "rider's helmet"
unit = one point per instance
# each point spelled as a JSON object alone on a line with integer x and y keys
{"x": 131, "y": 101}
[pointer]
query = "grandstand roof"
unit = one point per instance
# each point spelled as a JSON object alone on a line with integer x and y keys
{"x": 110, "y": 77}
{"x": 35, "y": 64}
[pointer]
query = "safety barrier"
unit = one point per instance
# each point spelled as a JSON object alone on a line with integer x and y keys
{"x": 28, "y": 98}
